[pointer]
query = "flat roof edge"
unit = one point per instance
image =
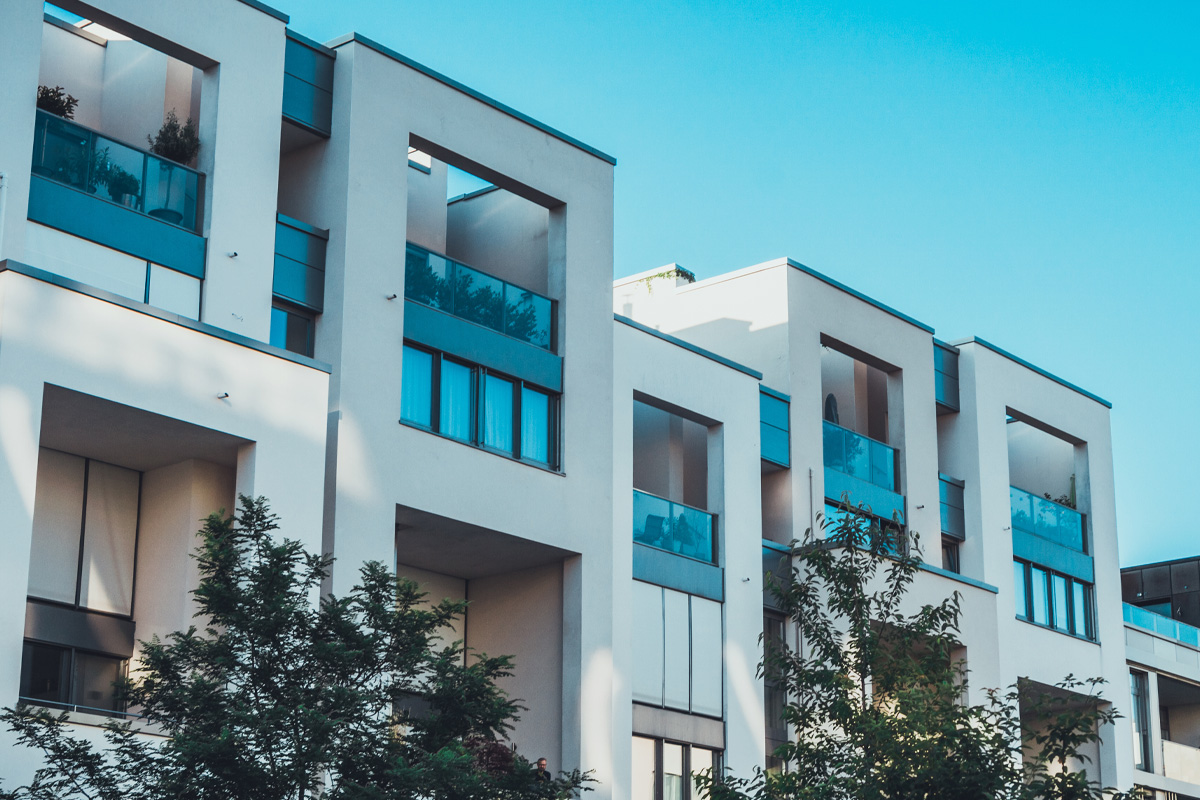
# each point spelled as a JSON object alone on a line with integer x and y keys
{"x": 700, "y": 351}
{"x": 312, "y": 44}
{"x": 467, "y": 90}
{"x": 9, "y": 265}
{"x": 1044, "y": 373}
{"x": 266, "y": 9}
{"x": 855, "y": 293}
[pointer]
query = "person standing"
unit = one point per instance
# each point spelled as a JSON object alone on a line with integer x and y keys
{"x": 541, "y": 775}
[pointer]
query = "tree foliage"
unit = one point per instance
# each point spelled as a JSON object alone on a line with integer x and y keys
{"x": 280, "y": 696}
{"x": 876, "y": 692}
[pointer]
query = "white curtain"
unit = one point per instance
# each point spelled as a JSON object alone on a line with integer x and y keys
{"x": 535, "y": 426}
{"x": 455, "y": 414}
{"x": 416, "y": 387}
{"x": 498, "y": 413}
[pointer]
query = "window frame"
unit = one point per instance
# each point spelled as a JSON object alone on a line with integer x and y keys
{"x": 690, "y": 792}
{"x": 479, "y": 376}
{"x": 1089, "y": 633}
{"x": 72, "y": 702}
{"x": 294, "y": 310}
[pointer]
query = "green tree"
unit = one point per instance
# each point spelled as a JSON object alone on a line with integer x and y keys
{"x": 876, "y": 694}
{"x": 279, "y": 696}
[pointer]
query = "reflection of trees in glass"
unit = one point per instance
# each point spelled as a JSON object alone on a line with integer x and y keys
{"x": 422, "y": 283}
{"x": 521, "y": 318}
{"x": 483, "y": 304}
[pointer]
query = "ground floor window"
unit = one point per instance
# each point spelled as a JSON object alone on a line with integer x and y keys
{"x": 1047, "y": 598}
{"x": 65, "y": 677}
{"x": 664, "y": 770}
{"x": 478, "y": 406}
{"x": 774, "y": 692}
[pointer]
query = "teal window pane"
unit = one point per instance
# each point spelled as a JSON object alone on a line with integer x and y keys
{"x": 691, "y": 530}
{"x": 1061, "y": 617}
{"x": 535, "y": 426}
{"x": 455, "y": 414}
{"x": 835, "y": 447}
{"x": 651, "y": 520}
{"x": 479, "y": 297}
{"x": 1022, "y": 602}
{"x": 883, "y": 466}
{"x": 498, "y": 413}
{"x": 858, "y": 456}
{"x": 1022, "y": 513}
{"x": 1079, "y": 621}
{"x": 416, "y": 387}
{"x": 279, "y": 327}
{"x": 1040, "y": 597}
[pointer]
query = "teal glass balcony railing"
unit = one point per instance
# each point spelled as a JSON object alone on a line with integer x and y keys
{"x": 447, "y": 285}
{"x": 1163, "y": 626}
{"x": 79, "y": 157}
{"x": 673, "y": 527}
{"x": 859, "y": 456}
{"x": 1047, "y": 519}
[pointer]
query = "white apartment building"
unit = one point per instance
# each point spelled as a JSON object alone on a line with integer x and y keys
{"x": 439, "y": 383}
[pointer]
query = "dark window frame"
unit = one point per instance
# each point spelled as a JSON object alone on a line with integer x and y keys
{"x": 690, "y": 792}
{"x": 1089, "y": 621}
{"x": 303, "y": 313}
{"x": 69, "y": 684}
{"x": 479, "y": 375}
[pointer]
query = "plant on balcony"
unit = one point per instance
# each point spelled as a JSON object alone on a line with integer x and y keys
{"x": 179, "y": 142}
{"x": 877, "y": 692}
{"x": 277, "y": 697}
{"x": 121, "y": 184}
{"x": 56, "y": 101}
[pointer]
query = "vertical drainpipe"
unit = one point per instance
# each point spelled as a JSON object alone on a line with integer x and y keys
{"x": 3, "y": 208}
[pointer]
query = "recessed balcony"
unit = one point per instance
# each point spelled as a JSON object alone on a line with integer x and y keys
{"x": 1047, "y": 519}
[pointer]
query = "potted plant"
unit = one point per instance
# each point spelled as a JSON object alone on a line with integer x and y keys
{"x": 178, "y": 142}
{"x": 175, "y": 142}
{"x": 122, "y": 185}
{"x": 56, "y": 101}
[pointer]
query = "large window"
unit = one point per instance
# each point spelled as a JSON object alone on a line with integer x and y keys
{"x": 1056, "y": 601}
{"x": 665, "y": 770}
{"x": 475, "y": 405}
{"x": 85, "y": 522}
{"x": 1139, "y": 690}
{"x": 67, "y": 678}
{"x": 774, "y": 692}
{"x": 677, "y": 647}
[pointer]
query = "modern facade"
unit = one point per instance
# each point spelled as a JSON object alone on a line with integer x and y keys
{"x": 456, "y": 386}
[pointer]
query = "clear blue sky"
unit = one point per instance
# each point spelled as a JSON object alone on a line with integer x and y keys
{"x": 1027, "y": 174}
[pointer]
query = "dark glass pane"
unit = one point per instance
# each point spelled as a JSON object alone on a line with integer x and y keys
{"x": 95, "y": 677}
{"x": 45, "y": 673}
{"x": 299, "y": 334}
{"x": 1185, "y": 577}
{"x": 1156, "y": 582}
{"x": 1131, "y": 585}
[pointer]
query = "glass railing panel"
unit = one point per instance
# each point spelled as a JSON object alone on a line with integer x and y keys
{"x": 71, "y": 154}
{"x": 1163, "y": 626}
{"x": 478, "y": 297}
{"x": 859, "y": 456}
{"x": 171, "y": 192}
{"x": 475, "y": 296}
{"x": 1021, "y": 504}
{"x": 834, "y": 447}
{"x": 1047, "y": 519}
{"x": 673, "y": 527}
{"x": 428, "y": 278}
{"x": 883, "y": 465}
{"x": 526, "y": 316}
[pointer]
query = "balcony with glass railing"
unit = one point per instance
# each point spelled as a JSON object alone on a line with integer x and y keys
{"x": 1165, "y": 627}
{"x": 439, "y": 282}
{"x": 1047, "y": 519}
{"x": 674, "y": 527}
{"x": 76, "y": 156}
{"x": 859, "y": 456}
